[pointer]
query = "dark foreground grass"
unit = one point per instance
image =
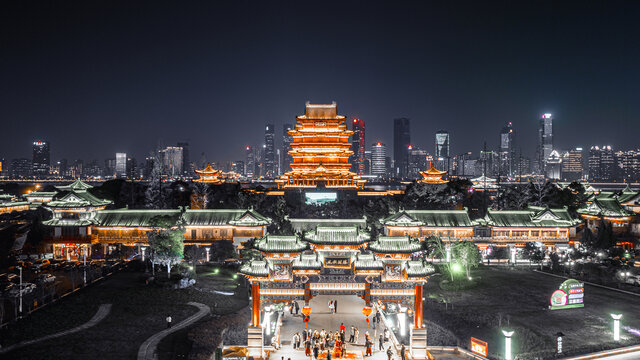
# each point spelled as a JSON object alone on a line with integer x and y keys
{"x": 519, "y": 299}
{"x": 138, "y": 312}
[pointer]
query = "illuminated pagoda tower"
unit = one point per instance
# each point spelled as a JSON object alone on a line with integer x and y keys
{"x": 433, "y": 176}
{"x": 320, "y": 151}
{"x": 209, "y": 175}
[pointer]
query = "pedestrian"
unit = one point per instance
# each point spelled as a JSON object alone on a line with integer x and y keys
{"x": 294, "y": 341}
{"x": 386, "y": 335}
{"x": 381, "y": 343}
{"x": 297, "y": 307}
{"x": 315, "y": 351}
{"x": 169, "y": 321}
{"x": 330, "y": 305}
{"x": 291, "y": 309}
{"x": 352, "y": 334}
{"x": 329, "y": 354}
{"x": 335, "y": 306}
{"x": 389, "y": 353}
{"x": 357, "y": 332}
{"x": 342, "y": 328}
{"x": 307, "y": 347}
{"x": 304, "y": 335}
{"x": 402, "y": 350}
{"x": 367, "y": 344}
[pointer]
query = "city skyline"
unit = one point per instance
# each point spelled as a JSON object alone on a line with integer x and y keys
{"x": 459, "y": 76}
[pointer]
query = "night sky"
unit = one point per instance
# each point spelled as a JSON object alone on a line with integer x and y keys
{"x": 99, "y": 77}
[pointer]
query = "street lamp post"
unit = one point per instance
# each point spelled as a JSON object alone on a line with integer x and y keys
{"x": 20, "y": 289}
{"x": 507, "y": 344}
{"x": 84, "y": 267}
{"x": 616, "y": 326}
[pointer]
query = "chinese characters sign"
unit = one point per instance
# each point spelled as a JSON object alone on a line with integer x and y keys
{"x": 569, "y": 295}
{"x": 479, "y": 347}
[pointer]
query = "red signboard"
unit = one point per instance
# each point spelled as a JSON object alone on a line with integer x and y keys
{"x": 479, "y": 347}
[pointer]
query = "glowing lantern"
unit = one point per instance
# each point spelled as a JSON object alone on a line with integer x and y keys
{"x": 366, "y": 311}
{"x": 306, "y": 311}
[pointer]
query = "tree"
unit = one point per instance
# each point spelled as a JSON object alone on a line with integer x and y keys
{"x": 532, "y": 252}
{"x": 466, "y": 254}
{"x": 154, "y": 196}
{"x": 166, "y": 240}
{"x": 437, "y": 248}
{"x": 512, "y": 197}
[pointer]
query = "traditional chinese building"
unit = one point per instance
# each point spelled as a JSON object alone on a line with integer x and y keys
{"x": 484, "y": 183}
{"x": 425, "y": 223}
{"x": 8, "y": 204}
{"x": 73, "y": 211}
{"x": 209, "y": 175}
{"x": 336, "y": 260}
{"x": 320, "y": 150}
{"x": 433, "y": 176}
{"x": 607, "y": 207}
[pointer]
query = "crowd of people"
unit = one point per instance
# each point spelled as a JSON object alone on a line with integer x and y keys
{"x": 327, "y": 344}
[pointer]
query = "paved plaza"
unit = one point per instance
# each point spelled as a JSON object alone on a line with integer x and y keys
{"x": 349, "y": 313}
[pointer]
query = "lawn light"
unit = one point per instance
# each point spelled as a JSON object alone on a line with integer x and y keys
{"x": 402, "y": 323}
{"x": 513, "y": 255}
{"x": 207, "y": 249}
{"x": 448, "y": 254}
{"x": 559, "y": 336}
{"x": 267, "y": 319}
{"x": 616, "y": 326}
{"x": 143, "y": 250}
{"x": 456, "y": 268}
{"x": 507, "y": 344}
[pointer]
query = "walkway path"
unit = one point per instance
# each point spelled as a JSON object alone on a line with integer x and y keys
{"x": 148, "y": 348}
{"x": 102, "y": 313}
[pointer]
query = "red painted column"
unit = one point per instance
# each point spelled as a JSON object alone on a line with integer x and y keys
{"x": 255, "y": 292}
{"x": 417, "y": 313}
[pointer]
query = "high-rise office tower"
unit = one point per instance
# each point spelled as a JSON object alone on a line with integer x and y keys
{"x": 287, "y": 139}
{"x": 357, "y": 159}
{"x": 401, "y": 142}
{"x": 121, "y": 165}
{"x": 172, "y": 161}
{"x": 442, "y": 144}
{"x": 21, "y": 168}
{"x": 417, "y": 161}
{"x": 553, "y": 166}
{"x": 545, "y": 141}
{"x": 572, "y": 168}
{"x": 507, "y": 151}
{"x": 41, "y": 158}
{"x": 601, "y": 164}
{"x": 250, "y": 162}
{"x": 378, "y": 159}
{"x": 186, "y": 161}
{"x": 132, "y": 168}
{"x": 269, "y": 160}
{"x": 628, "y": 165}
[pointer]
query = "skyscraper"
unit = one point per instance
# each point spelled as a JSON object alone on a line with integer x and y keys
{"x": 378, "y": 159}
{"x": 172, "y": 161}
{"x": 417, "y": 161}
{"x": 358, "y": 147}
{"x": 572, "y": 168}
{"x": 286, "y": 146}
{"x": 41, "y": 158}
{"x": 121, "y": 165}
{"x": 186, "y": 161}
{"x": 269, "y": 161}
{"x": 545, "y": 141}
{"x": 442, "y": 144}
{"x": 250, "y": 162}
{"x": 401, "y": 142}
{"x": 507, "y": 151}
{"x": 601, "y": 164}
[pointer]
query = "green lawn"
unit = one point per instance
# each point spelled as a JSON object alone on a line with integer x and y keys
{"x": 138, "y": 312}
{"x": 519, "y": 299}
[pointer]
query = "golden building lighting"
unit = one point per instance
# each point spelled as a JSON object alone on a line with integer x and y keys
{"x": 320, "y": 151}
{"x": 433, "y": 176}
{"x": 209, "y": 175}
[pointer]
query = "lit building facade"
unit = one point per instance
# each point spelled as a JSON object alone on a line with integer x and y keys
{"x": 269, "y": 162}
{"x": 401, "y": 142}
{"x": 507, "y": 151}
{"x": 433, "y": 176}
{"x": 41, "y": 162}
{"x": 286, "y": 147}
{"x": 545, "y": 141}
{"x": 379, "y": 159}
{"x": 121, "y": 165}
{"x": 172, "y": 160}
{"x": 320, "y": 151}
{"x": 602, "y": 164}
{"x": 442, "y": 144}
{"x": 572, "y": 165}
{"x": 358, "y": 147}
